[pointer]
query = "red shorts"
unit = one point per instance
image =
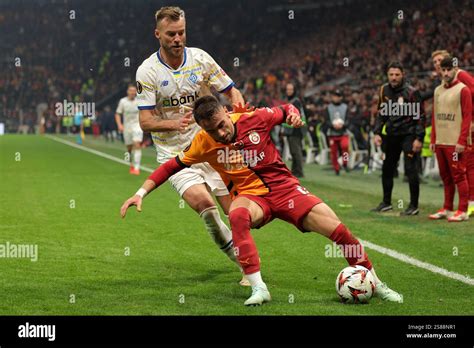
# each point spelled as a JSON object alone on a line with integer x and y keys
{"x": 289, "y": 204}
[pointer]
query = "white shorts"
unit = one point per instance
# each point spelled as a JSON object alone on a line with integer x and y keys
{"x": 132, "y": 135}
{"x": 201, "y": 173}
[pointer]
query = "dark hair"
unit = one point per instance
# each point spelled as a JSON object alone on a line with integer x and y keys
{"x": 447, "y": 62}
{"x": 131, "y": 85}
{"x": 395, "y": 65}
{"x": 205, "y": 107}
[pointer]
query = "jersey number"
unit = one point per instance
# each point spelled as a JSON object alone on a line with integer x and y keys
{"x": 302, "y": 190}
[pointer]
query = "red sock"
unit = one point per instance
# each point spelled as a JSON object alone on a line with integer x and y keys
{"x": 246, "y": 249}
{"x": 470, "y": 170}
{"x": 352, "y": 249}
{"x": 458, "y": 172}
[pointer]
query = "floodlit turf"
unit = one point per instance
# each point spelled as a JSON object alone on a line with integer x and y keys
{"x": 67, "y": 202}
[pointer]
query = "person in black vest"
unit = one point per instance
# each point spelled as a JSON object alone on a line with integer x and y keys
{"x": 337, "y": 122}
{"x": 295, "y": 135}
{"x": 400, "y": 111}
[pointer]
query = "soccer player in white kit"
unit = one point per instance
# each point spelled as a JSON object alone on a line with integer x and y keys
{"x": 168, "y": 83}
{"x": 132, "y": 133}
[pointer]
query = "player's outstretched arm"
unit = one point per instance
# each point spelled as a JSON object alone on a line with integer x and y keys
{"x": 234, "y": 96}
{"x": 158, "y": 177}
{"x": 287, "y": 113}
{"x": 137, "y": 198}
{"x": 149, "y": 122}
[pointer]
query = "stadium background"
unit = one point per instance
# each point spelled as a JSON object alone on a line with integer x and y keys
{"x": 83, "y": 59}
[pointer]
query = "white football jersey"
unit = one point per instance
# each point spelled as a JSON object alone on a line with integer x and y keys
{"x": 129, "y": 110}
{"x": 162, "y": 88}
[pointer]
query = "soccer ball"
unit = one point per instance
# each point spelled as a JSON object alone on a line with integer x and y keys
{"x": 355, "y": 284}
{"x": 338, "y": 123}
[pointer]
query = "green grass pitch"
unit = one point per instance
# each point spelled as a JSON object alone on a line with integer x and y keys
{"x": 67, "y": 202}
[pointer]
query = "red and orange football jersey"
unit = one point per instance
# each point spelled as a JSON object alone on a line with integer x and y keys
{"x": 251, "y": 164}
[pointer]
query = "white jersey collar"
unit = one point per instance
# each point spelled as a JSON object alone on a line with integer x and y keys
{"x": 163, "y": 62}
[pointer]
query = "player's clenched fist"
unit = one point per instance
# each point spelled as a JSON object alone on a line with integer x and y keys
{"x": 135, "y": 200}
{"x": 294, "y": 119}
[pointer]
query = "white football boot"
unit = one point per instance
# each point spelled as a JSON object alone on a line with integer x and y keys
{"x": 259, "y": 296}
{"x": 441, "y": 214}
{"x": 458, "y": 216}
{"x": 385, "y": 293}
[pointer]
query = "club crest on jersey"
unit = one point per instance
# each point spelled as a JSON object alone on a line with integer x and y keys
{"x": 254, "y": 138}
{"x": 164, "y": 83}
{"x": 193, "y": 78}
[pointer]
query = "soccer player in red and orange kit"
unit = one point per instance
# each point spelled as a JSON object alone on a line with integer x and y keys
{"x": 466, "y": 78}
{"x": 240, "y": 149}
{"x": 450, "y": 137}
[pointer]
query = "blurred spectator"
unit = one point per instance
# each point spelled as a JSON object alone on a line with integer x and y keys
{"x": 337, "y": 121}
{"x": 357, "y": 122}
{"x": 295, "y": 136}
{"x": 49, "y": 57}
{"x": 109, "y": 126}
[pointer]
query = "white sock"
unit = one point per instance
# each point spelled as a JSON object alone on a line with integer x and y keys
{"x": 137, "y": 157}
{"x": 377, "y": 280}
{"x": 255, "y": 279}
{"x": 219, "y": 232}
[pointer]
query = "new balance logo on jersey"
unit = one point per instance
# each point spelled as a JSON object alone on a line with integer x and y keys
{"x": 185, "y": 99}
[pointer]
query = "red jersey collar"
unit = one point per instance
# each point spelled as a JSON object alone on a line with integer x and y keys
{"x": 454, "y": 83}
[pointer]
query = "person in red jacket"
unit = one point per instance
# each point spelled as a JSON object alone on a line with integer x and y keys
{"x": 450, "y": 137}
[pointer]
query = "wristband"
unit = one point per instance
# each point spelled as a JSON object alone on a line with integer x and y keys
{"x": 141, "y": 192}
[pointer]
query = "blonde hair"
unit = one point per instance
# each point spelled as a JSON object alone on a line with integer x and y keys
{"x": 444, "y": 53}
{"x": 173, "y": 13}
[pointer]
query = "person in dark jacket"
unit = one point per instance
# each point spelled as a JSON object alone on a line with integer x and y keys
{"x": 401, "y": 113}
{"x": 109, "y": 126}
{"x": 295, "y": 135}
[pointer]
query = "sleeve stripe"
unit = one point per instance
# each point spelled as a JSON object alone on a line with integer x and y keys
{"x": 146, "y": 107}
{"x": 181, "y": 163}
{"x": 232, "y": 84}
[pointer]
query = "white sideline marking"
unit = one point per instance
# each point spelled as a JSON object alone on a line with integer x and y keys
{"x": 417, "y": 263}
{"x": 96, "y": 152}
{"x": 392, "y": 253}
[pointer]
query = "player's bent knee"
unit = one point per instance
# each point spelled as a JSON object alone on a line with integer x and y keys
{"x": 198, "y": 198}
{"x": 225, "y": 202}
